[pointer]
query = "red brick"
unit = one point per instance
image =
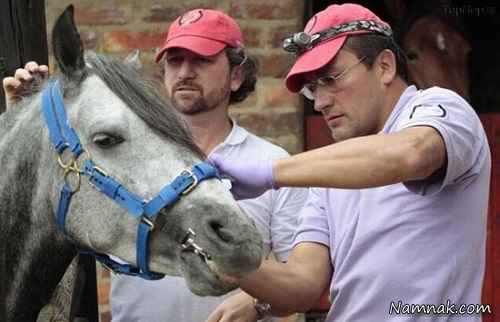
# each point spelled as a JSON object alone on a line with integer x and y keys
{"x": 250, "y": 101}
{"x": 106, "y": 16}
{"x": 275, "y": 65}
{"x": 160, "y": 12}
{"x": 152, "y": 70}
{"x": 271, "y": 124}
{"x": 280, "y": 96}
{"x": 126, "y": 41}
{"x": 265, "y": 9}
{"x": 252, "y": 36}
{"x": 257, "y": 123}
{"x": 90, "y": 39}
{"x": 280, "y": 33}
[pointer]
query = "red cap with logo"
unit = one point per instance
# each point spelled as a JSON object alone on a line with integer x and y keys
{"x": 203, "y": 31}
{"x": 322, "y": 53}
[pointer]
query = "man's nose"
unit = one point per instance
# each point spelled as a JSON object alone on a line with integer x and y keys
{"x": 186, "y": 70}
{"x": 322, "y": 99}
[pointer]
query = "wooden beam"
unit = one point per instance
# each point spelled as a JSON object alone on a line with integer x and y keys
{"x": 22, "y": 37}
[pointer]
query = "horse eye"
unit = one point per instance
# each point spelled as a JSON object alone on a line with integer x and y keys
{"x": 106, "y": 141}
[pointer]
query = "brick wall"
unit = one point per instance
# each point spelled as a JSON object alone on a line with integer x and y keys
{"x": 118, "y": 27}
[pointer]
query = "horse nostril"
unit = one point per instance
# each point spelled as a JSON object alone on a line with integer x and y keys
{"x": 223, "y": 233}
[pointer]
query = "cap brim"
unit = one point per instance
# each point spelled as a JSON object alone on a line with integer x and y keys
{"x": 199, "y": 45}
{"x": 312, "y": 60}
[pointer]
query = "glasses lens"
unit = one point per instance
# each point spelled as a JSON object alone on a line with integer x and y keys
{"x": 328, "y": 80}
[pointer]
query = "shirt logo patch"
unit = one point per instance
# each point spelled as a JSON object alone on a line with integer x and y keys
{"x": 428, "y": 110}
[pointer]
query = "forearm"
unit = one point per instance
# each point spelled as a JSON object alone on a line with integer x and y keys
{"x": 294, "y": 286}
{"x": 274, "y": 283}
{"x": 363, "y": 162}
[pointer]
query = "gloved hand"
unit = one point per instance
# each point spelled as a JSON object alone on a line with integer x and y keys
{"x": 249, "y": 179}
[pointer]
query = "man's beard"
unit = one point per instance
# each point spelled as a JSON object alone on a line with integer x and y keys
{"x": 198, "y": 106}
{"x": 204, "y": 103}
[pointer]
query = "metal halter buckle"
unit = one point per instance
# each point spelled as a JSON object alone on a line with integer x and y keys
{"x": 193, "y": 184}
{"x": 302, "y": 41}
{"x": 148, "y": 222}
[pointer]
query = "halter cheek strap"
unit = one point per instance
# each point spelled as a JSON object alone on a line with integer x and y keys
{"x": 64, "y": 137}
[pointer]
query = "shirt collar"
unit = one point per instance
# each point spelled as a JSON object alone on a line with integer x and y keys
{"x": 235, "y": 137}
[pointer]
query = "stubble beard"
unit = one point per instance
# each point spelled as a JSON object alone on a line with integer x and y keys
{"x": 204, "y": 104}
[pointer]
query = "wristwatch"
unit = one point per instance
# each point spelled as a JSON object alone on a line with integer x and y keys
{"x": 263, "y": 309}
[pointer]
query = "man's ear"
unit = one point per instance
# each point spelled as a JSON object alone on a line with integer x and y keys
{"x": 386, "y": 64}
{"x": 237, "y": 77}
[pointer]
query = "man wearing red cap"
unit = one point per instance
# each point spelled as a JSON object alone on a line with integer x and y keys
{"x": 205, "y": 70}
{"x": 397, "y": 233}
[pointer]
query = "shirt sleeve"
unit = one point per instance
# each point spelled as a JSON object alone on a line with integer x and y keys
{"x": 286, "y": 206}
{"x": 313, "y": 222}
{"x": 462, "y": 132}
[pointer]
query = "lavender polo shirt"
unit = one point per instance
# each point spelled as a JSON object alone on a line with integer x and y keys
{"x": 420, "y": 242}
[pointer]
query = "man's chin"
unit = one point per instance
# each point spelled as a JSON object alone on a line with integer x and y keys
{"x": 187, "y": 107}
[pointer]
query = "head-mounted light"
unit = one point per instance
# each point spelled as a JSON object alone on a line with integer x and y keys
{"x": 302, "y": 41}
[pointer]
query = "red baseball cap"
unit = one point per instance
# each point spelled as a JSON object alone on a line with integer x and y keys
{"x": 203, "y": 31}
{"x": 322, "y": 53}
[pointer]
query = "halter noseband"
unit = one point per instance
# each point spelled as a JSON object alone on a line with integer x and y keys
{"x": 64, "y": 137}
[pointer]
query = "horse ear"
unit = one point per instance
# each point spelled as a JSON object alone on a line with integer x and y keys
{"x": 67, "y": 45}
{"x": 134, "y": 59}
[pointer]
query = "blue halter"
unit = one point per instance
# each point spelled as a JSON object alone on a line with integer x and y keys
{"x": 64, "y": 137}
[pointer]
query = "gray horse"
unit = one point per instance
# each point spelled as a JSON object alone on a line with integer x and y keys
{"x": 135, "y": 137}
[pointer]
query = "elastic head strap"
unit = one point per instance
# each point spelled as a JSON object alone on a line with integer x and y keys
{"x": 302, "y": 41}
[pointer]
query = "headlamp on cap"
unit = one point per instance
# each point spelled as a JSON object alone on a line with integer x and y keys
{"x": 302, "y": 41}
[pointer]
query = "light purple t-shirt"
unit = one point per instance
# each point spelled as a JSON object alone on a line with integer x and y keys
{"x": 415, "y": 242}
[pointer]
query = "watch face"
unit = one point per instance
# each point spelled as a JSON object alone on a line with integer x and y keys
{"x": 263, "y": 309}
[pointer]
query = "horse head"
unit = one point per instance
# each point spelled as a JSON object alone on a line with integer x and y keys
{"x": 135, "y": 138}
{"x": 139, "y": 139}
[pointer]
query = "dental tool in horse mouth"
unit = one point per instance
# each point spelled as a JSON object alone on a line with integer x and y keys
{"x": 189, "y": 245}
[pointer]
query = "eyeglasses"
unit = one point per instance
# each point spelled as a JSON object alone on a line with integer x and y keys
{"x": 330, "y": 81}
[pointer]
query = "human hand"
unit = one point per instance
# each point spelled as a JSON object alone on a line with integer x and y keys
{"x": 249, "y": 179}
{"x": 15, "y": 87}
{"x": 237, "y": 308}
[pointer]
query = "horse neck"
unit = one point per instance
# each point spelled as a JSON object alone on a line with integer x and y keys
{"x": 34, "y": 255}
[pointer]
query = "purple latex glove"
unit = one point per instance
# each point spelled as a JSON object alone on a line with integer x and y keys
{"x": 249, "y": 179}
